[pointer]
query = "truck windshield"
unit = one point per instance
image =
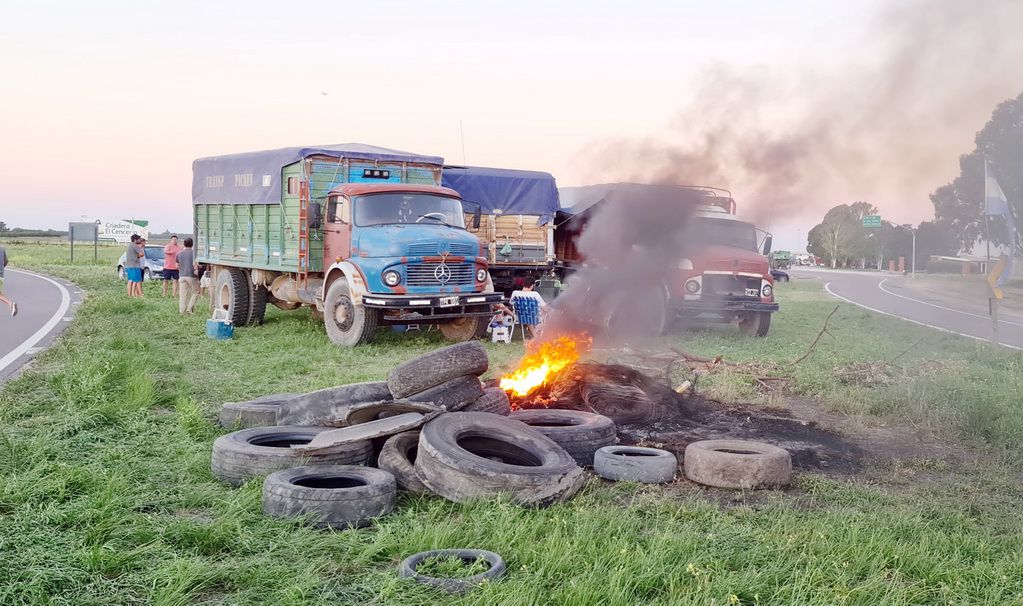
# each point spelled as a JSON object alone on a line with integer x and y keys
{"x": 726, "y": 232}
{"x": 388, "y": 208}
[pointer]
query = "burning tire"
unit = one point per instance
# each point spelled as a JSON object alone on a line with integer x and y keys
{"x": 467, "y": 455}
{"x": 755, "y": 324}
{"x": 408, "y": 567}
{"x": 398, "y": 456}
{"x": 737, "y": 464}
{"x": 635, "y": 464}
{"x": 332, "y": 496}
{"x": 462, "y": 329}
{"x": 347, "y": 324}
{"x": 251, "y": 453}
{"x": 494, "y": 400}
{"x": 453, "y": 394}
{"x": 232, "y": 290}
{"x": 261, "y": 412}
{"x": 430, "y": 370}
{"x": 581, "y": 434}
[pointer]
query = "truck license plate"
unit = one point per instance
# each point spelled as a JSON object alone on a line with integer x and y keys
{"x": 448, "y": 301}
{"x": 752, "y": 292}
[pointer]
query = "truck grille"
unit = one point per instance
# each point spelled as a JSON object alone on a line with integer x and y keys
{"x": 425, "y": 249}
{"x": 425, "y": 274}
{"x": 730, "y": 286}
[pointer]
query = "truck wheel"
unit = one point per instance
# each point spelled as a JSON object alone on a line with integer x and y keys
{"x": 120, "y": 272}
{"x": 756, "y": 324}
{"x": 347, "y": 324}
{"x": 462, "y": 329}
{"x": 257, "y": 304}
{"x": 233, "y": 291}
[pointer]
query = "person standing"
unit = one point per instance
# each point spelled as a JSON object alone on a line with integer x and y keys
{"x": 188, "y": 280}
{"x": 3, "y": 299}
{"x": 143, "y": 263}
{"x": 132, "y": 267}
{"x": 170, "y": 265}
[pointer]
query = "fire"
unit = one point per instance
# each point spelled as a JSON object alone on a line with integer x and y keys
{"x": 539, "y": 366}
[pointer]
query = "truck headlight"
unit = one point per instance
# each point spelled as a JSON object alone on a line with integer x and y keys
{"x": 685, "y": 264}
{"x": 693, "y": 286}
{"x": 766, "y": 290}
{"x": 481, "y": 275}
{"x": 392, "y": 278}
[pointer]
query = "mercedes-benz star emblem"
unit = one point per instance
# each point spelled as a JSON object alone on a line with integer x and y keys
{"x": 442, "y": 273}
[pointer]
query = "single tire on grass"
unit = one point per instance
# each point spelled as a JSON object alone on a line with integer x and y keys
{"x": 251, "y": 453}
{"x": 430, "y": 370}
{"x": 635, "y": 464}
{"x": 452, "y": 395}
{"x": 261, "y": 412}
{"x": 737, "y": 464}
{"x": 398, "y": 456}
{"x": 408, "y": 566}
{"x": 581, "y": 434}
{"x": 330, "y": 496}
{"x": 494, "y": 400}
{"x": 467, "y": 455}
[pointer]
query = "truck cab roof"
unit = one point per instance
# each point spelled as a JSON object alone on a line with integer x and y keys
{"x": 361, "y": 189}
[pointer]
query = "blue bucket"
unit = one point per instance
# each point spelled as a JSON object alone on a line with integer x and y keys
{"x": 219, "y": 330}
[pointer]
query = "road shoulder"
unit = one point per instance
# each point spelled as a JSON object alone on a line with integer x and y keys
{"x": 21, "y": 358}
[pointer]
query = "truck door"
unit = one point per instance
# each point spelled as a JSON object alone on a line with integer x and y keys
{"x": 337, "y": 230}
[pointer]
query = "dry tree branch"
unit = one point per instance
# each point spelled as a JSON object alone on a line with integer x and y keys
{"x": 813, "y": 346}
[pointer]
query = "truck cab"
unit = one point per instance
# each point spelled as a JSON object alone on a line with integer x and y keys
{"x": 415, "y": 260}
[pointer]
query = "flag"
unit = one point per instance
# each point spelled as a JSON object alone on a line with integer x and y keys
{"x": 996, "y": 204}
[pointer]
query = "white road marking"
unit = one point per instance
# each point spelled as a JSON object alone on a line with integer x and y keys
{"x": 29, "y": 343}
{"x": 827, "y": 287}
{"x": 958, "y": 311}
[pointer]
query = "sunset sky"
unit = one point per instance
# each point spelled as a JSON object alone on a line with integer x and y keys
{"x": 105, "y": 104}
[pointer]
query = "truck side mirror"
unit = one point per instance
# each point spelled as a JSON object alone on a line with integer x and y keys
{"x": 477, "y": 211}
{"x": 767, "y": 244}
{"x": 315, "y": 215}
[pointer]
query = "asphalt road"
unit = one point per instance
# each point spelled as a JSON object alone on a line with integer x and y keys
{"x": 44, "y": 310}
{"x": 892, "y": 295}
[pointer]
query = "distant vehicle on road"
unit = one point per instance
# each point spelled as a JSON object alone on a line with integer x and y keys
{"x": 152, "y": 264}
{"x": 781, "y": 259}
{"x": 779, "y": 275}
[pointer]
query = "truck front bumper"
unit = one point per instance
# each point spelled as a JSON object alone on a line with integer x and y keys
{"x": 720, "y": 309}
{"x": 429, "y": 308}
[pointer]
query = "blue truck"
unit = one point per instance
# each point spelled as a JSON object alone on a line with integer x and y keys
{"x": 365, "y": 236}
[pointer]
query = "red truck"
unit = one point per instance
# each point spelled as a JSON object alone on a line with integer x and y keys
{"x": 725, "y": 278}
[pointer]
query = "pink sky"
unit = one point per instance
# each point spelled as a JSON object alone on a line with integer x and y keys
{"x": 106, "y": 104}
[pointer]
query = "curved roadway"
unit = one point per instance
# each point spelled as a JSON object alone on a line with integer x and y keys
{"x": 45, "y": 306}
{"x": 890, "y": 295}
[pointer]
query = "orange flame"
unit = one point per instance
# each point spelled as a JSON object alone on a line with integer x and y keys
{"x": 538, "y": 367}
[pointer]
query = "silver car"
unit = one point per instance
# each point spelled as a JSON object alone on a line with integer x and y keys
{"x": 152, "y": 264}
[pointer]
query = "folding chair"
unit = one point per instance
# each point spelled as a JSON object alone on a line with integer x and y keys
{"x": 526, "y": 311}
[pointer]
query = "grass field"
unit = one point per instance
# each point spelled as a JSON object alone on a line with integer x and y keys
{"x": 106, "y": 495}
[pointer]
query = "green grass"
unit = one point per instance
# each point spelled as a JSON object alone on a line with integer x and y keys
{"x": 106, "y": 495}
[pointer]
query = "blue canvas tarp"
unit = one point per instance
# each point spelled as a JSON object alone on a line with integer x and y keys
{"x": 512, "y": 192}
{"x": 255, "y": 177}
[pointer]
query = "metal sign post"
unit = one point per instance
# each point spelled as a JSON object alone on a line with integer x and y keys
{"x": 84, "y": 232}
{"x": 996, "y": 295}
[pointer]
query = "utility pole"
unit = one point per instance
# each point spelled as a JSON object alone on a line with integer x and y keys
{"x": 912, "y": 263}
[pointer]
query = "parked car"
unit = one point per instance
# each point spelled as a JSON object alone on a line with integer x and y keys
{"x": 779, "y": 275}
{"x": 152, "y": 265}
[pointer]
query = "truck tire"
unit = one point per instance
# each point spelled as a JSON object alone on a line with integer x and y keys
{"x": 581, "y": 434}
{"x": 398, "y": 456}
{"x": 737, "y": 464}
{"x": 257, "y": 304}
{"x": 252, "y": 453}
{"x": 755, "y": 324}
{"x": 494, "y": 400}
{"x": 261, "y": 412}
{"x": 635, "y": 464}
{"x": 347, "y": 324}
{"x": 325, "y": 406}
{"x": 432, "y": 369}
{"x": 455, "y": 394}
{"x": 461, "y": 329}
{"x": 463, "y": 456}
{"x": 232, "y": 290}
{"x": 330, "y": 496}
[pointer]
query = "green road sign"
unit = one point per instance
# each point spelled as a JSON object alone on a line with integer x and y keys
{"x": 872, "y": 221}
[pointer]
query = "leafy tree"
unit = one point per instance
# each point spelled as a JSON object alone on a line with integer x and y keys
{"x": 959, "y": 205}
{"x": 3, "y": 227}
{"x": 840, "y": 237}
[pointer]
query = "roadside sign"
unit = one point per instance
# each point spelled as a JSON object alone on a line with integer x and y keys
{"x": 996, "y": 272}
{"x": 872, "y": 221}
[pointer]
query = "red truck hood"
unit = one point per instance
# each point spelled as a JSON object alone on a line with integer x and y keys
{"x": 729, "y": 258}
